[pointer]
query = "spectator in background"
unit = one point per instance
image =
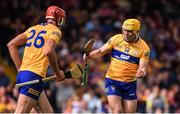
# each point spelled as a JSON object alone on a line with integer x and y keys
{"x": 4, "y": 80}
{"x": 7, "y": 104}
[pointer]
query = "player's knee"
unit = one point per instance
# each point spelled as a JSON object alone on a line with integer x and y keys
{"x": 50, "y": 110}
{"x": 117, "y": 109}
{"x": 21, "y": 110}
{"x": 47, "y": 109}
{"x": 18, "y": 111}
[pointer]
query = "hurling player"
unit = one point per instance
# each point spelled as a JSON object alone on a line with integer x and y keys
{"x": 40, "y": 42}
{"x": 129, "y": 60}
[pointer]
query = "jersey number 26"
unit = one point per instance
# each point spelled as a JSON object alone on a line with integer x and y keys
{"x": 38, "y": 37}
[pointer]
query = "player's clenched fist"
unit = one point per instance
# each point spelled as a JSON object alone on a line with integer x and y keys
{"x": 60, "y": 76}
{"x": 141, "y": 73}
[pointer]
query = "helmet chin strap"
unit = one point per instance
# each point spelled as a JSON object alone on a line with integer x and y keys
{"x": 52, "y": 21}
{"x": 56, "y": 20}
{"x": 137, "y": 37}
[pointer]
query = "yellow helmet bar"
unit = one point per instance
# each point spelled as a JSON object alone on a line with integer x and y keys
{"x": 131, "y": 24}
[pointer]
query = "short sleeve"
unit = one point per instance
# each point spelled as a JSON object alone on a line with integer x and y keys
{"x": 55, "y": 35}
{"x": 27, "y": 32}
{"x": 111, "y": 42}
{"x": 145, "y": 53}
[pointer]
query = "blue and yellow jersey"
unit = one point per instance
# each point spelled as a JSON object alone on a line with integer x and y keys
{"x": 125, "y": 57}
{"x": 34, "y": 58}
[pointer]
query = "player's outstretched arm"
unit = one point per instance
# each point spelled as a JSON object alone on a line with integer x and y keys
{"x": 49, "y": 51}
{"x": 98, "y": 52}
{"x": 13, "y": 45}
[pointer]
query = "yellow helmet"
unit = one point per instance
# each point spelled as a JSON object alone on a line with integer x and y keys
{"x": 131, "y": 24}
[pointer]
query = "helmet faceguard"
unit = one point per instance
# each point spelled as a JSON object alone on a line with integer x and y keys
{"x": 57, "y": 14}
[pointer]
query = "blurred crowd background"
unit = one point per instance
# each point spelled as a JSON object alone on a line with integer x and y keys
{"x": 99, "y": 19}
